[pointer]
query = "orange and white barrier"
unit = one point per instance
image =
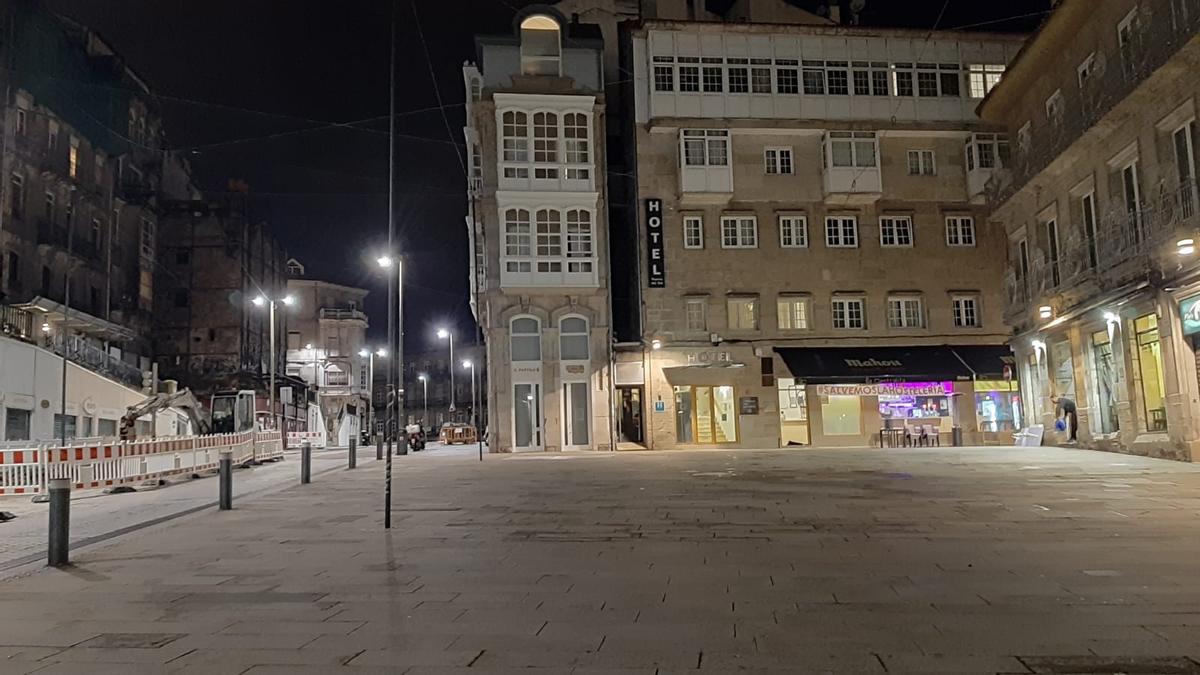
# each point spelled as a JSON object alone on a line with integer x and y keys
{"x": 316, "y": 438}
{"x": 107, "y": 463}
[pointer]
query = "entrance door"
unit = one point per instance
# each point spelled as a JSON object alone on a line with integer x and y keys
{"x": 527, "y": 417}
{"x": 577, "y": 421}
{"x": 631, "y": 414}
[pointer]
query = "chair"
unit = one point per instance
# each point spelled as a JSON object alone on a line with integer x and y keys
{"x": 932, "y": 435}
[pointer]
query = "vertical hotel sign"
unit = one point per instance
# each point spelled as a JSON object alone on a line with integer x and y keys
{"x": 1189, "y": 312}
{"x": 654, "y": 244}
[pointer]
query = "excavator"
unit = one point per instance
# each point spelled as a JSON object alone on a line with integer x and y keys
{"x": 231, "y": 411}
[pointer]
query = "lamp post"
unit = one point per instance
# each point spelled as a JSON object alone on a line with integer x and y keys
{"x": 370, "y": 356}
{"x": 395, "y": 372}
{"x": 447, "y": 335}
{"x": 424, "y": 399}
{"x": 474, "y": 407}
{"x": 259, "y": 301}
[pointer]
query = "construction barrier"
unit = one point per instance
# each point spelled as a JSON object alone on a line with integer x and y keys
{"x": 92, "y": 463}
{"x": 316, "y": 438}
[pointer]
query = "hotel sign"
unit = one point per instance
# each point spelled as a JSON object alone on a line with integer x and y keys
{"x": 657, "y": 272}
{"x": 883, "y": 389}
{"x": 1189, "y": 311}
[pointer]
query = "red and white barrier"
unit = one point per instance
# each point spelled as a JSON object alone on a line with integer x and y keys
{"x": 100, "y": 463}
{"x": 316, "y": 438}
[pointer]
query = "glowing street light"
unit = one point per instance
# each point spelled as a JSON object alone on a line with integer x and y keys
{"x": 445, "y": 334}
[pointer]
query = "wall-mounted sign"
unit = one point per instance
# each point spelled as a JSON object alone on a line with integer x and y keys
{"x": 1189, "y": 311}
{"x": 657, "y": 273}
{"x": 886, "y": 389}
{"x": 748, "y": 405}
{"x": 575, "y": 369}
{"x": 709, "y": 357}
{"x": 660, "y": 406}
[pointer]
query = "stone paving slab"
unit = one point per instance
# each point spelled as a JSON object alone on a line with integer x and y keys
{"x": 998, "y": 560}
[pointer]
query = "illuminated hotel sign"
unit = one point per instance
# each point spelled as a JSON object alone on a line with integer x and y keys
{"x": 1189, "y": 311}
{"x": 657, "y": 273}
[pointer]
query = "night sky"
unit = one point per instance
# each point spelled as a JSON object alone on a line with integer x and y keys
{"x": 263, "y": 91}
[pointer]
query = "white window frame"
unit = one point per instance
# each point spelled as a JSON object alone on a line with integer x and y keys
{"x": 693, "y": 231}
{"x": 21, "y": 125}
{"x": 840, "y": 236}
{"x": 981, "y": 77}
{"x": 564, "y": 334}
{"x": 896, "y": 231}
{"x": 706, "y": 140}
{"x": 900, "y": 314}
{"x": 1025, "y": 137}
{"x": 1055, "y": 108}
{"x": 959, "y": 311}
{"x": 777, "y": 161}
{"x": 844, "y": 304}
{"x": 518, "y": 243}
{"x": 147, "y": 236}
{"x": 695, "y": 313}
{"x": 562, "y": 151}
{"x": 786, "y": 315}
{"x": 924, "y": 164}
{"x": 1085, "y": 69}
{"x": 793, "y": 230}
{"x": 854, "y": 139}
{"x": 997, "y": 145}
{"x": 511, "y": 335}
{"x": 736, "y": 234}
{"x": 755, "y": 313}
{"x": 956, "y": 234}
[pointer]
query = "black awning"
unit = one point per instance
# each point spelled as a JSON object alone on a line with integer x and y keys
{"x": 859, "y": 364}
{"x": 987, "y": 361}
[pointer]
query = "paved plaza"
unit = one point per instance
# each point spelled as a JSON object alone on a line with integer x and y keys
{"x": 1001, "y": 560}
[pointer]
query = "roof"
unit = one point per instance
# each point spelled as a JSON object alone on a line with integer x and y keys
{"x": 1015, "y": 67}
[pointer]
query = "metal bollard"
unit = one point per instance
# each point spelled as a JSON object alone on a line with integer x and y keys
{"x": 379, "y": 448}
{"x": 225, "y": 477}
{"x": 60, "y": 522}
{"x": 306, "y": 463}
{"x": 353, "y": 453}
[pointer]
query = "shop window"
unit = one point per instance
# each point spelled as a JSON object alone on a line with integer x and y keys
{"x": 997, "y": 405}
{"x": 841, "y": 416}
{"x": 705, "y": 415}
{"x": 793, "y": 412}
{"x": 1104, "y": 370}
{"x": 1149, "y": 352}
{"x": 1063, "y": 369}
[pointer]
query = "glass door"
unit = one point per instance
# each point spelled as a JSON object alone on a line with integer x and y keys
{"x": 576, "y": 422}
{"x": 1106, "y": 381}
{"x": 683, "y": 415}
{"x": 527, "y": 417}
{"x": 705, "y": 415}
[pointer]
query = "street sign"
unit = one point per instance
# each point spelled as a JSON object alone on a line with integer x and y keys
{"x": 660, "y": 406}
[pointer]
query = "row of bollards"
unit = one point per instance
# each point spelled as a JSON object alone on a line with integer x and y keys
{"x": 59, "y": 545}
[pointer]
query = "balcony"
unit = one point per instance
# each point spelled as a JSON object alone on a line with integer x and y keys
{"x": 1127, "y": 247}
{"x": 342, "y": 314}
{"x": 1159, "y": 34}
{"x": 56, "y": 237}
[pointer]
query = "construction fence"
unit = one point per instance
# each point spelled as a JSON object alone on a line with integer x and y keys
{"x": 102, "y": 463}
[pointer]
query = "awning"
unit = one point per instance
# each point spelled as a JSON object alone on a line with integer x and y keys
{"x": 987, "y": 361}
{"x": 860, "y": 364}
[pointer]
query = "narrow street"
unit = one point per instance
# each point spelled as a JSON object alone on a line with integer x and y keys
{"x": 965, "y": 560}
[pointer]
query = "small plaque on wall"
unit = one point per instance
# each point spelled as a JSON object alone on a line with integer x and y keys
{"x": 748, "y": 405}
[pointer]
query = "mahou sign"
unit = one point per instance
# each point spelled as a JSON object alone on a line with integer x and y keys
{"x": 654, "y": 244}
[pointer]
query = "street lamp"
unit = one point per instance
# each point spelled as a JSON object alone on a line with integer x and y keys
{"x": 424, "y": 399}
{"x": 474, "y": 407}
{"x": 447, "y": 335}
{"x": 370, "y": 356}
{"x": 395, "y": 325}
{"x": 259, "y": 301}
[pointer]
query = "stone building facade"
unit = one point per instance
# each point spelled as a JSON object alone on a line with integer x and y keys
{"x": 815, "y": 264}
{"x": 1099, "y": 204}
{"x": 537, "y": 222}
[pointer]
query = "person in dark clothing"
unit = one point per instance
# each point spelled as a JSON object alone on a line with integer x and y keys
{"x": 1064, "y": 409}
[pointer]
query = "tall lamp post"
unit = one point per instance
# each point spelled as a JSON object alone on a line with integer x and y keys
{"x": 370, "y": 356}
{"x": 259, "y": 301}
{"x": 424, "y": 399}
{"x": 474, "y": 407}
{"x": 447, "y": 335}
{"x": 395, "y": 372}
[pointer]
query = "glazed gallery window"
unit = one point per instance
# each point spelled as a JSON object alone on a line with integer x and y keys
{"x": 705, "y": 147}
{"x": 540, "y": 45}
{"x": 575, "y": 145}
{"x": 557, "y": 139}
{"x": 705, "y": 415}
{"x": 896, "y": 232}
{"x": 982, "y": 77}
{"x": 579, "y": 241}
{"x": 852, "y": 149}
{"x": 849, "y": 313}
{"x": 664, "y": 73}
{"x": 1150, "y": 372}
{"x": 739, "y": 232}
{"x": 515, "y": 142}
{"x": 526, "y": 337}
{"x": 792, "y": 312}
{"x": 518, "y": 242}
{"x": 743, "y": 313}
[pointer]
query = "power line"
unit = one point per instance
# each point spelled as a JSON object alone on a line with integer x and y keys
{"x": 437, "y": 92}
